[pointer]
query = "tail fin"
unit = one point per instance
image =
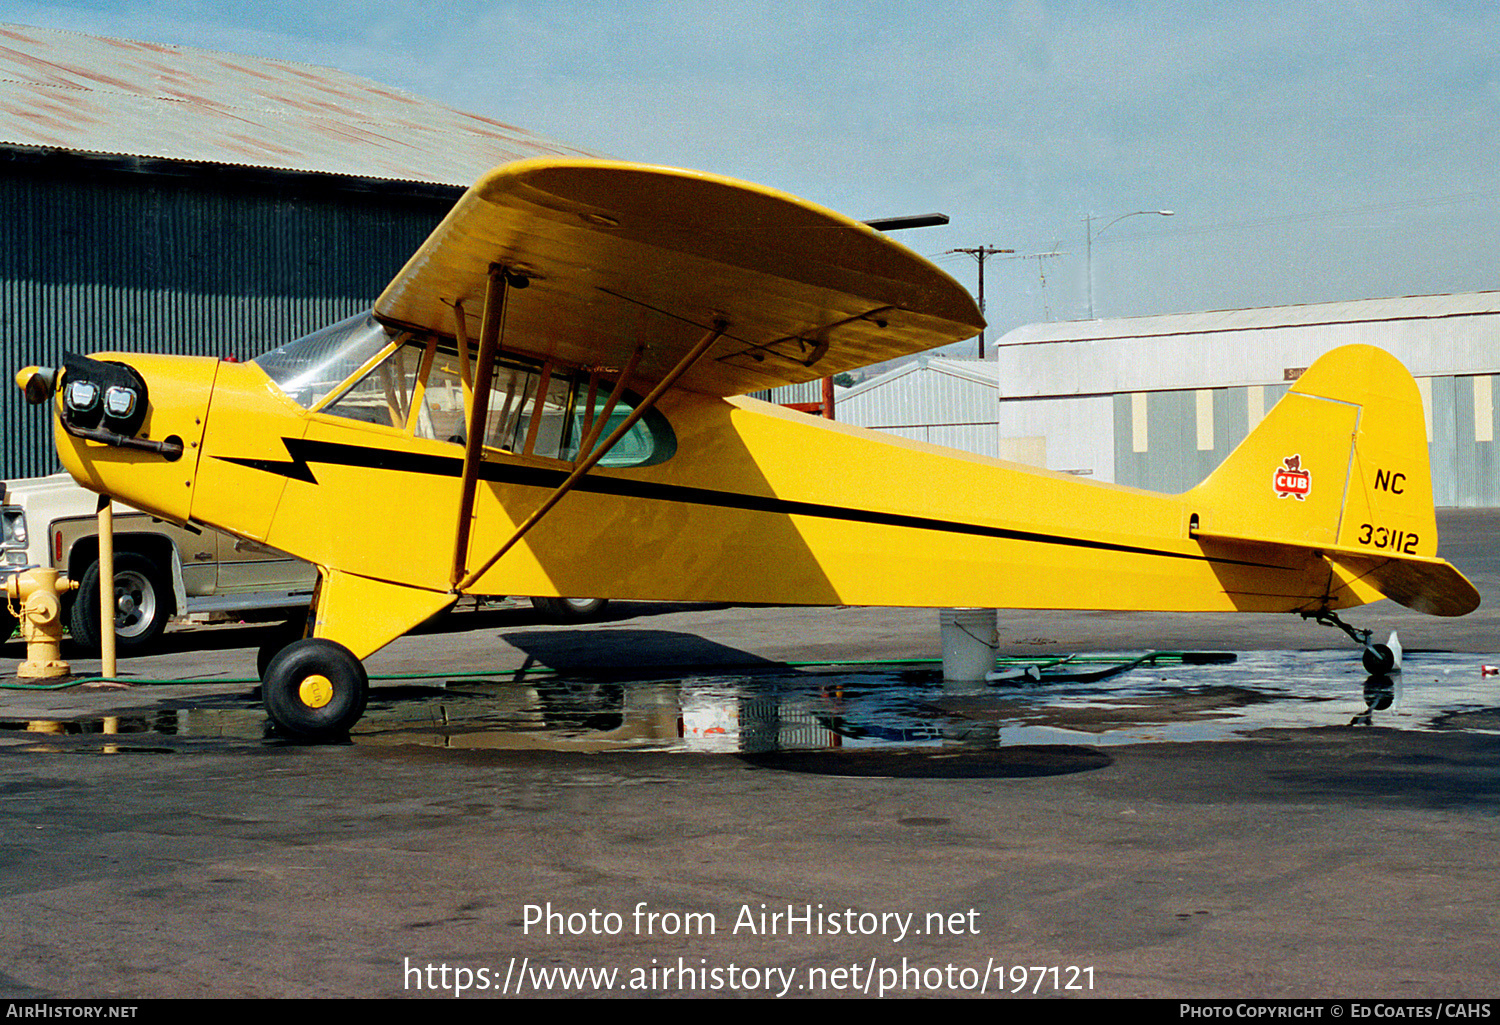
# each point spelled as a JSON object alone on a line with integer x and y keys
{"x": 1340, "y": 465}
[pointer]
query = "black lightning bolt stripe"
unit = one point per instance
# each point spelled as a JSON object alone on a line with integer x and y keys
{"x": 303, "y": 452}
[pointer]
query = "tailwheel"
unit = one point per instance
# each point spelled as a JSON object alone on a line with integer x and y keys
{"x": 314, "y": 689}
{"x": 1378, "y": 659}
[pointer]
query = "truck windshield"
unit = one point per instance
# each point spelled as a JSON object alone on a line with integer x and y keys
{"x": 316, "y": 364}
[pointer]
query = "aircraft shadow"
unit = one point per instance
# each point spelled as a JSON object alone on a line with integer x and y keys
{"x": 507, "y": 617}
{"x": 232, "y": 636}
{"x": 619, "y": 653}
{"x": 1019, "y": 761}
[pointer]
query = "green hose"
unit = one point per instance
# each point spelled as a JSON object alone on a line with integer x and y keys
{"x": 1154, "y": 658}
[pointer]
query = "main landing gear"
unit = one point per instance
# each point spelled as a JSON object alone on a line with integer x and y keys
{"x": 1379, "y": 659}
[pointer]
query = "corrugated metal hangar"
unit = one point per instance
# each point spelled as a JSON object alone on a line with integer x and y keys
{"x": 948, "y": 402}
{"x": 160, "y": 198}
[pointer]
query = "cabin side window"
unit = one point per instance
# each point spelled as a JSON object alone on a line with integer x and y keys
{"x": 649, "y": 442}
{"x": 418, "y": 385}
{"x": 551, "y": 427}
{"x": 441, "y": 416}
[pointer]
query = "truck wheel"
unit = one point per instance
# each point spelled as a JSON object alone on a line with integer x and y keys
{"x": 315, "y": 689}
{"x": 143, "y": 604}
{"x": 281, "y": 635}
{"x": 571, "y": 610}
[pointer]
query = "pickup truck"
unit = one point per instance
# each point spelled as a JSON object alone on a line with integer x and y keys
{"x": 161, "y": 569}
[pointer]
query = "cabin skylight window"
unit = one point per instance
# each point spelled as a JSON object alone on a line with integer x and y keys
{"x": 314, "y": 365}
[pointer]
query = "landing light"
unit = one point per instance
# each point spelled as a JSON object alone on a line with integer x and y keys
{"x": 119, "y": 402}
{"x": 82, "y": 400}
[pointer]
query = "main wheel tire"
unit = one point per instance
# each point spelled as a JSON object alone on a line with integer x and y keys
{"x": 143, "y": 604}
{"x": 315, "y": 689}
{"x": 571, "y": 610}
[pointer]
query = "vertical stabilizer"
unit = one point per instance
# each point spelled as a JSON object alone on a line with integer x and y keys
{"x": 1340, "y": 466}
{"x": 1340, "y": 461}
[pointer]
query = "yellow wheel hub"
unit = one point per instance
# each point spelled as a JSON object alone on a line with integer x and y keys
{"x": 315, "y": 691}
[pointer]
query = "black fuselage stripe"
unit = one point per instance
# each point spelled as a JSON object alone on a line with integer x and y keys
{"x": 305, "y": 451}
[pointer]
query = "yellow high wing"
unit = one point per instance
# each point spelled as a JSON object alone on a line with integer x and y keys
{"x": 616, "y": 255}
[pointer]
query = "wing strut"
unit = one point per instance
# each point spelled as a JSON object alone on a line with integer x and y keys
{"x": 596, "y": 428}
{"x": 646, "y": 405}
{"x": 479, "y": 408}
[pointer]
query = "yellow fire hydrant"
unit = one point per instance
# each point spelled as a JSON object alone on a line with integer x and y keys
{"x": 40, "y": 615}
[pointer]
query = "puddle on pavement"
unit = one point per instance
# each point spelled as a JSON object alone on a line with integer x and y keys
{"x": 869, "y": 708}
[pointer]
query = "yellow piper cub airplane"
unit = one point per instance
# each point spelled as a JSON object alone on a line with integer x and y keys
{"x": 544, "y": 402}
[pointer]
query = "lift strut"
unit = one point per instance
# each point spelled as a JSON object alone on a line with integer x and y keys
{"x": 714, "y": 333}
{"x": 491, "y": 326}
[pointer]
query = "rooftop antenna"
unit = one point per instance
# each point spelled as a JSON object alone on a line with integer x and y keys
{"x": 1042, "y": 276}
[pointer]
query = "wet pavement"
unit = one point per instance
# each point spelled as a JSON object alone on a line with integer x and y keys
{"x": 1100, "y": 699}
{"x": 708, "y": 800}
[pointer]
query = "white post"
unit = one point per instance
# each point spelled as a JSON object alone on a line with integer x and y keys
{"x": 106, "y": 588}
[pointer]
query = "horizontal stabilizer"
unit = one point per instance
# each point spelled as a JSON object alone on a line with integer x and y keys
{"x": 1426, "y": 585}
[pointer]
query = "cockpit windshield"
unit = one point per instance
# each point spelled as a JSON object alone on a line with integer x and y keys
{"x": 315, "y": 364}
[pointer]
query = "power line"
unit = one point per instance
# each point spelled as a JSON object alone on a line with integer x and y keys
{"x": 1323, "y": 215}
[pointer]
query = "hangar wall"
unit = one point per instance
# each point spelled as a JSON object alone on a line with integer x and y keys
{"x": 98, "y": 254}
{"x": 1460, "y": 434}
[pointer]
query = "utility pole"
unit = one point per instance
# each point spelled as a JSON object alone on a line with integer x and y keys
{"x": 980, "y": 253}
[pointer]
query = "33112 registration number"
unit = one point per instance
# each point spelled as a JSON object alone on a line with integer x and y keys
{"x": 1401, "y": 541}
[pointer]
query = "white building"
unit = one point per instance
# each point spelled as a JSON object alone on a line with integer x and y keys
{"x": 1158, "y": 402}
{"x": 948, "y": 402}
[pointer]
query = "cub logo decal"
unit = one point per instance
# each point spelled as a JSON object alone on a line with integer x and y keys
{"x": 1291, "y": 480}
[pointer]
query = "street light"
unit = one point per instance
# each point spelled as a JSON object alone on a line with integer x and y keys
{"x": 1089, "y": 243}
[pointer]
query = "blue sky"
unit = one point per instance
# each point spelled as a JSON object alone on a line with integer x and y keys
{"x": 1311, "y": 152}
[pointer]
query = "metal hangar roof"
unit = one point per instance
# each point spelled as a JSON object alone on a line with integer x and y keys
{"x": 92, "y": 94}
